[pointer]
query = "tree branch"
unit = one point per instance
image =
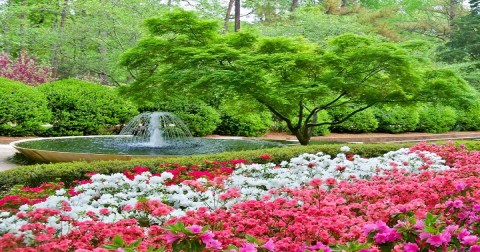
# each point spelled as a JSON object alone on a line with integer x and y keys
{"x": 278, "y": 114}
{"x": 343, "y": 119}
{"x": 316, "y": 109}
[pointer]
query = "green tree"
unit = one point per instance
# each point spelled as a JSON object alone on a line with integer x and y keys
{"x": 293, "y": 78}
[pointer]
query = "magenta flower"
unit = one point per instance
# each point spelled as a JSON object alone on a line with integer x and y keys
{"x": 196, "y": 229}
{"x": 410, "y": 247}
{"x": 460, "y": 185}
{"x": 436, "y": 240}
{"x": 457, "y": 204}
{"x": 470, "y": 240}
{"x": 170, "y": 237}
{"x": 248, "y": 247}
{"x": 475, "y": 248}
{"x": 269, "y": 245}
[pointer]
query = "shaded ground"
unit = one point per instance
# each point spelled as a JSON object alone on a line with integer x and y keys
{"x": 6, "y": 151}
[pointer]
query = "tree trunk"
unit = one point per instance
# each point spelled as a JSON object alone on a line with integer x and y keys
{"x": 227, "y": 16}
{"x": 294, "y": 5}
{"x": 57, "y": 49}
{"x": 237, "y": 15}
{"x": 303, "y": 135}
{"x": 452, "y": 11}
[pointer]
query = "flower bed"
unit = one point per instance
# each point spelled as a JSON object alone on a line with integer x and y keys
{"x": 426, "y": 197}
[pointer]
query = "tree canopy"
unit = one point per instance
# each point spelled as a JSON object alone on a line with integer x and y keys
{"x": 294, "y": 78}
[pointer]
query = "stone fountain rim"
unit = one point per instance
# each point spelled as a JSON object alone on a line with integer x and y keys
{"x": 62, "y": 156}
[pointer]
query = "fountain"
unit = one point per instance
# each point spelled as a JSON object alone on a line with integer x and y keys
{"x": 157, "y": 129}
{"x": 148, "y": 135}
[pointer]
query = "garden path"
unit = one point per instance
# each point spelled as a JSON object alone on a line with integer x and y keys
{"x": 6, "y": 151}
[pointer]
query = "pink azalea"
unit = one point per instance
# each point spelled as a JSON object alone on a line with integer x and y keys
{"x": 410, "y": 247}
{"x": 470, "y": 240}
{"x": 436, "y": 240}
{"x": 269, "y": 245}
{"x": 248, "y": 247}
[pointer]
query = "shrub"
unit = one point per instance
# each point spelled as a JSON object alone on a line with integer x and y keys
{"x": 469, "y": 119}
{"x": 361, "y": 122}
{"x": 82, "y": 108}
{"x": 436, "y": 119}
{"x": 200, "y": 118}
{"x": 24, "y": 69}
{"x": 23, "y": 109}
{"x": 397, "y": 118}
{"x": 245, "y": 124}
{"x": 322, "y": 130}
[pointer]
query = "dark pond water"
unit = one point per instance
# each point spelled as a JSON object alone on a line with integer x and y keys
{"x": 122, "y": 146}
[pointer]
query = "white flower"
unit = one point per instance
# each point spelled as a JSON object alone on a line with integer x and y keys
{"x": 344, "y": 149}
{"x": 166, "y": 175}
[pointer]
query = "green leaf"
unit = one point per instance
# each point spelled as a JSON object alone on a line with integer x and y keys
{"x": 251, "y": 239}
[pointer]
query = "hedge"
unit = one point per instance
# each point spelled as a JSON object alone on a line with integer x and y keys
{"x": 34, "y": 175}
{"x": 23, "y": 109}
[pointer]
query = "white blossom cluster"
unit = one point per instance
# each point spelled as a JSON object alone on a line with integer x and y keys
{"x": 114, "y": 192}
{"x": 256, "y": 179}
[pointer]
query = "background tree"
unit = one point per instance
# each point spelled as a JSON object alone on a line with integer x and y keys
{"x": 293, "y": 78}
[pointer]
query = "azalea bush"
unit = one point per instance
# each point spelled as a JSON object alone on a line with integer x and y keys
{"x": 416, "y": 199}
{"x": 24, "y": 68}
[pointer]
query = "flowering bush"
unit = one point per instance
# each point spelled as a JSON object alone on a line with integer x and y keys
{"x": 313, "y": 202}
{"x": 24, "y": 69}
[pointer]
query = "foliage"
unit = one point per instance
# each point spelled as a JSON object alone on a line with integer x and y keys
{"x": 61, "y": 33}
{"x": 24, "y": 69}
{"x": 468, "y": 119}
{"x": 322, "y": 130}
{"x": 446, "y": 87}
{"x": 293, "y": 78}
{"x": 241, "y": 120}
{"x": 23, "y": 109}
{"x": 397, "y": 118}
{"x": 436, "y": 118}
{"x": 82, "y": 108}
{"x": 464, "y": 42}
{"x": 361, "y": 122}
{"x": 200, "y": 118}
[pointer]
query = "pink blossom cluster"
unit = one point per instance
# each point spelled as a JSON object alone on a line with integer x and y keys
{"x": 407, "y": 211}
{"x": 24, "y": 69}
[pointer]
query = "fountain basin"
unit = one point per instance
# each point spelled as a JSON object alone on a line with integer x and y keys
{"x": 92, "y": 148}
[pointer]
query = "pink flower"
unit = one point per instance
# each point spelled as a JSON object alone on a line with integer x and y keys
{"x": 457, "y": 204}
{"x": 475, "y": 248}
{"x": 470, "y": 240}
{"x": 315, "y": 182}
{"x": 127, "y": 208}
{"x": 170, "y": 237}
{"x": 265, "y": 157}
{"x": 460, "y": 185}
{"x": 410, "y": 247}
{"x": 269, "y": 245}
{"x": 248, "y": 247}
{"x": 196, "y": 229}
{"x": 435, "y": 240}
{"x": 104, "y": 211}
{"x": 330, "y": 181}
